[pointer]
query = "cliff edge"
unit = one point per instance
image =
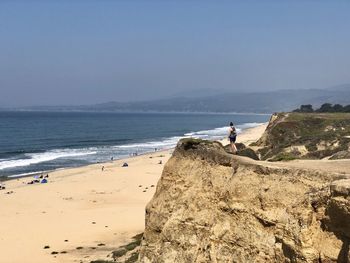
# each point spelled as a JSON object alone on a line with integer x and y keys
{"x": 210, "y": 206}
{"x": 306, "y": 136}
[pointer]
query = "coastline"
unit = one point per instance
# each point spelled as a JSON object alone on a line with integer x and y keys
{"x": 93, "y": 209}
{"x": 33, "y": 174}
{"x": 245, "y": 132}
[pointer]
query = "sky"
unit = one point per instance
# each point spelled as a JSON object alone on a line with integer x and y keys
{"x": 60, "y": 52}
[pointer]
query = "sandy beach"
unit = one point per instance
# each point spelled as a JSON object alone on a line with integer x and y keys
{"x": 82, "y": 213}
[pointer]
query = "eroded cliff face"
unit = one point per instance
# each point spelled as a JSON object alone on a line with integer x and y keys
{"x": 306, "y": 136}
{"x": 214, "y": 207}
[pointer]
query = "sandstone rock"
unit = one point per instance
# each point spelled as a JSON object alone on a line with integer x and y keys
{"x": 340, "y": 188}
{"x": 205, "y": 211}
{"x": 248, "y": 152}
{"x": 338, "y": 210}
{"x": 340, "y": 155}
{"x": 242, "y": 150}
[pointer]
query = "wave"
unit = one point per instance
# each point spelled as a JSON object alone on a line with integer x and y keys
{"x": 169, "y": 142}
{"x": 213, "y": 134}
{"x": 248, "y": 125}
{"x": 25, "y": 174}
{"x": 105, "y": 152}
{"x": 34, "y": 158}
{"x": 222, "y": 131}
{"x": 107, "y": 140}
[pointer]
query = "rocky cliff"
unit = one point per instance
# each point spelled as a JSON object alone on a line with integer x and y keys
{"x": 210, "y": 206}
{"x": 306, "y": 136}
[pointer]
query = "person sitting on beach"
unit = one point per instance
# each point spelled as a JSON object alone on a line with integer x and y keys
{"x": 43, "y": 181}
{"x": 232, "y": 137}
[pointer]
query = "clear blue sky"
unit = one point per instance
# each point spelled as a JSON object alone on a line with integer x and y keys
{"x": 81, "y": 52}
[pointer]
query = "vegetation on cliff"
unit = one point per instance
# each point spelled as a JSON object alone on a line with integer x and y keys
{"x": 305, "y": 136}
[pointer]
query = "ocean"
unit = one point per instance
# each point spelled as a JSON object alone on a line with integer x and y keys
{"x": 35, "y": 142}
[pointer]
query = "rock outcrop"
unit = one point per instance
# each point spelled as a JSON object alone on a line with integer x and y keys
{"x": 306, "y": 136}
{"x": 243, "y": 150}
{"x": 210, "y": 206}
{"x": 340, "y": 155}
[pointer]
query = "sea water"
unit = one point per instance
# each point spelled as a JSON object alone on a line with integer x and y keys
{"x": 33, "y": 142}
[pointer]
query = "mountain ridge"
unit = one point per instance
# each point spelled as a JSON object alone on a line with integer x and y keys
{"x": 253, "y": 102}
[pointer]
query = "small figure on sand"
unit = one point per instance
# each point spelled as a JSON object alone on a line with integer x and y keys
{"x": 232, "y": 137}
{"x": 103, "y": 168}
{"x": 160, "y": 162}
{"x": 44, "y": 181}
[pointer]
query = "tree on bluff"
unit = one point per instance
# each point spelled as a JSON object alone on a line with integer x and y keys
{"x": 305, "y": 108}
{"x": 325, "y": 108}
{"x": 338, "y": 108}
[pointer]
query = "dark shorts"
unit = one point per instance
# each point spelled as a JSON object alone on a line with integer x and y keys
{"x": 233, "y": 138}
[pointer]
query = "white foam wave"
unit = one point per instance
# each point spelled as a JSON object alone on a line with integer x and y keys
{"x": 102, "y": 153}
{"x": 34, "y": 158}
{"x": 213, "y": 134}
{"x": 25, "y": 174}
{"x": 166, "y": 143}
{"x": 219, "y": 133}
{"x": 248, "y": 125}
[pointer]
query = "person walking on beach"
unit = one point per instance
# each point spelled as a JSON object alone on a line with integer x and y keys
{"x": 232, "y": 137}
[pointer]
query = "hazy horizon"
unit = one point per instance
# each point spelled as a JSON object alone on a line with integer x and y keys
{"x": 88, "y": 52}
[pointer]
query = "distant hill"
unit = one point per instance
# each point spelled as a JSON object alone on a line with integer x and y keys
{"x": 255, "y": 102}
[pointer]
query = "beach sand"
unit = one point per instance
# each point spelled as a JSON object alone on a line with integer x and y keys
{"x": 86, "y": 208}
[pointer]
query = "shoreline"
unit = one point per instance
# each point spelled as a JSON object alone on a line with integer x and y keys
{"x": 33, "y": 174}
{"x": 95, "y": 211}
{"x": 19, "y": 176}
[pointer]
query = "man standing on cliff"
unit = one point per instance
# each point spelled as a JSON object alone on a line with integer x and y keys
{"x": 232, "y": 137}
